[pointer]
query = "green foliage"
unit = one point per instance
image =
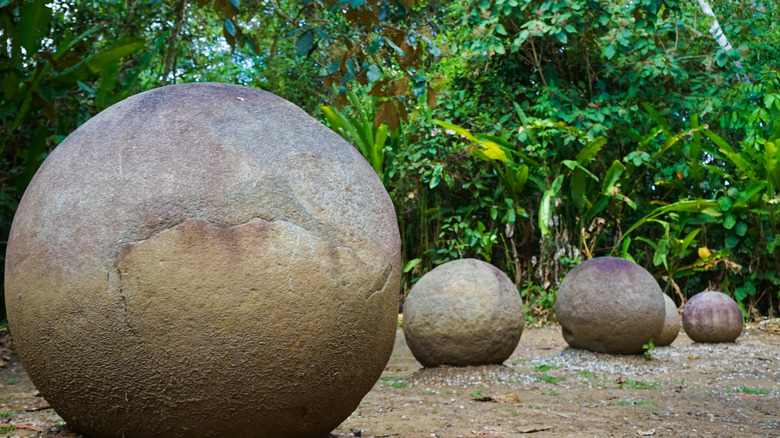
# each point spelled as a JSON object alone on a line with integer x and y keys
{"x": 361, "y": 131}
{"x": 649, "y": 349}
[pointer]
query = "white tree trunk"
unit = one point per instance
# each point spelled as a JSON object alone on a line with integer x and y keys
{"x": 720, "y": 36}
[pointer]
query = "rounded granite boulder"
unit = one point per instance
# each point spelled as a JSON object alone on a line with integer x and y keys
{"x": 610, "y": 305}
{"x": 204, "y": 260}
{"x": 671, "y": 325}
{"x": 464, "y": 312}
{"x": 712, "y": 316}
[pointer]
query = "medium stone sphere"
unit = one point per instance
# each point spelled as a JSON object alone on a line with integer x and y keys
{"x": 464, "y": 312}
{"x": 671, "y": 325}
{"x": 610, "y": 305}
{"x": 204, "y": 260}
{"x": 712, "y": 316}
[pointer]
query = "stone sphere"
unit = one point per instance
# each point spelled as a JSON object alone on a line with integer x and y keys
{"x": 671, "y": 325}
{"x": 464, "y": 312}
{"x": 610, "y": 305}
{"x": 204, "y": 260}
{"x": 712, "y": 316}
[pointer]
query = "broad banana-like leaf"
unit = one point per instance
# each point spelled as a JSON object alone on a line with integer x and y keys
{"x": 687, "y": 205}
{"x": 507, "y": 146}
{"x": 667, "y": 130}
{"x": 590, "y": 150}
{"x": 743, "y": 165}
{"x": 489, "y": 149}
{"x": 457, "y": 129}
{"x": 116, "y": 51}
{"x": 34, "y": 19}
{"x": 772, "y": 163}
{"x": 579, "y": 189}
{"x": 612, "y": 177}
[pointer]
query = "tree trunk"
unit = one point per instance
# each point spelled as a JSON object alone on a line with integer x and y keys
{"x": 719, "y": 35}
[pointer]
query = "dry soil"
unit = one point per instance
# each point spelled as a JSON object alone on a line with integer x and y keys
{"x": 544, "y": 389}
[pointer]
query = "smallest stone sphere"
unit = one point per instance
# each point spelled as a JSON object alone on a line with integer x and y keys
{"x": 672, "y": 324}
{"x": 711, "y": 317}
{"x": 464, "y": 312}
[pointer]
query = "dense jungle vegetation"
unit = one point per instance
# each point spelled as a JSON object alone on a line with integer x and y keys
{"x": 532, "y": 134}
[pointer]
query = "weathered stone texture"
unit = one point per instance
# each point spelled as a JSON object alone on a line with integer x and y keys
{"x": 464, "y": 312}
{"x": 671, "y": 325}
{"x": 712, "y": 316}
{"x": 204, "y": 260}
{"x": 610, "y": 305}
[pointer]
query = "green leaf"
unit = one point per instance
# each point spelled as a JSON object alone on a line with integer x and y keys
{"x": 667, "y": 130}
{"x": 33, "y": 23}
{"x": 398, "y": 50}
{"x": 578, "y": 189}
{"x": 85, "y": 87}
{"x": 688, "y": 239}
{"x": 741, "y": 229}
{"x": 546, "y": 206}
{"x": 772, "y": 162}
{"x": 608, "y": 51}
{"x": 612, "y": 177}
{"x": 729, "y": 221}
{"x": 624, "y": 249}
{"x": 508, "y": 147}
{"x": 457, "y": 129}
{"x": 304, "y": 43}
{"x": 116, "y": 51}
{"x": 687, "y": 205}
{"x": 411, "y": 264}
{"x": 230, "y": 27}
{"x": 105, "y": 93}
{"x": 590, "y": 150}
{"x": 726, "y": 149}
{"x": 725, "y": 203}
{"x": 372, "y": 74}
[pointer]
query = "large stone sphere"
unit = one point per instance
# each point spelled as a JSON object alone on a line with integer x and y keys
{"x": 671, "y": 324}
{"x": 464, "y": 312}
{"x": 204, "y": 260}
{"x": 712, "y": 316}
{"x": 610, "y": 305}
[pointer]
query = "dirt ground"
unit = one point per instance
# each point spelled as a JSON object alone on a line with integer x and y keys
{"x": 544, "y": 389}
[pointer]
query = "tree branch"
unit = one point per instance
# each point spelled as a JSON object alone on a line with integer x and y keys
{"x": 172, "y": 40}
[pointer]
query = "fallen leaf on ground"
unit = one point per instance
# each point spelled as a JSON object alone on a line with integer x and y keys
{"x": 647, "y": 432}
{"x": 508, "y": 398}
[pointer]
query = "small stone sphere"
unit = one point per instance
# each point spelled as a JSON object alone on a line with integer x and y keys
{"x": 671, "y": 326}
{"x": 464, "y": 312}
{"x": 610, "y": 305}
{"x": 712, "y": 316}
{"x": 204, "y": 260}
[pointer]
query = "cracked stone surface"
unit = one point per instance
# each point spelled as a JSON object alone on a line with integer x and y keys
{"x": 610, "y": 305}
{"x": 209, "y": 254}
{"x": 464, "y": 312}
